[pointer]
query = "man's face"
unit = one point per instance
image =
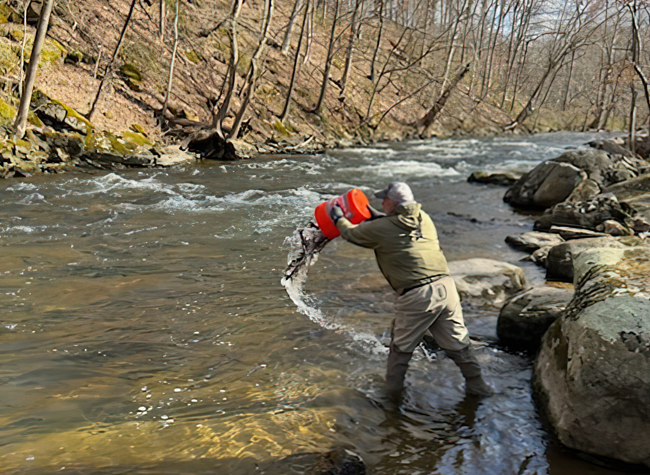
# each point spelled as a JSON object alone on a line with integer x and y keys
{"x": 388, "y": 206}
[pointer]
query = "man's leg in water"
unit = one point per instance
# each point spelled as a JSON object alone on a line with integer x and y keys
{"x": 450, "y": 333}
{"x": 434, "y": 307}
{"x": 413, "y": 319}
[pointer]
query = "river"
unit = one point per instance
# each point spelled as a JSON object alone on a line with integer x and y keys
{"x": 144, "y": 327}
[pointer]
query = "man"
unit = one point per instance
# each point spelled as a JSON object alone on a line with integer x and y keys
{"x": 406, "y": 246}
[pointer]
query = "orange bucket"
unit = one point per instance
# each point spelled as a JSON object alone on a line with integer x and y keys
{"x": 355, "y": 208}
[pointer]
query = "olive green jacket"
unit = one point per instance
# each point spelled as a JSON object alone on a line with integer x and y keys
{"x": 406, "y": 246}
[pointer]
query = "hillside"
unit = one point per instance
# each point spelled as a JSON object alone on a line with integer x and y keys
{"x": 408, "y": 79}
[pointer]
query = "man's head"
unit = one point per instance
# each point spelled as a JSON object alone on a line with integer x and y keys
{"x": 394, "y": 195}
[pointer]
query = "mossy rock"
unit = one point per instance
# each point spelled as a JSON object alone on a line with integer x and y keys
{"x": 6, "y": 13}
{"x": 55, "y": 112}
{"x": 74, "y": 57}
{"x": 9, "y": 60}
{"x": 7, "y": 113}
{"x": 131, "y": 71}
{"x": 16, "y": 35}
{"x": 280, "y": 127}
{"x": 138, "y": 128}
{"x": 193, "y": 56}
{"x": 132, "y": 76}
{"x": 52, "y": 51}
{"x": 136, "y": 138}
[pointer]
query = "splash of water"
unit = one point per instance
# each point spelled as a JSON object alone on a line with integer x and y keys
{"x": 305, "y": 245}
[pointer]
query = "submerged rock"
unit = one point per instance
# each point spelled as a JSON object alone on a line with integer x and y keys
{"x": 486, "y": 281}
{"x": 500, "y": 179}
{"x": 339, "y": 461}
{"x": 526, "y": 316}
{"x": 592, "y": 373}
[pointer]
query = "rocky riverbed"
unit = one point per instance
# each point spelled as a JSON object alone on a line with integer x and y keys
{"x": 592, "y": 335}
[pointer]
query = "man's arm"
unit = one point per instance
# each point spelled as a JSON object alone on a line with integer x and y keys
{"x": 363, "y": 234}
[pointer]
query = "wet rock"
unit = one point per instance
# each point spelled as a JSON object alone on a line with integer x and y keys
{"x": 592, "y": 373}
{"x": 559, "y": 263}
{"x": 553, "y": 181}
{"x": 585, "y": 214}
{"x": 525, "y": 316}
{"x": 534, "y": 240}
{"x": 500, "y": 179}
{"x": 486, "y": 281}
{"x": 211, "y": 146}
{"x": 611, "y": 146}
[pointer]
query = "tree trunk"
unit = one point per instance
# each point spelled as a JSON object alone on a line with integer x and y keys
{"x": 378, "y": 43}
{"x": 350, "y": 48}
{"x": 294, "y": 72}
{"x": 109, "y": 69}
{"x": 163, "y": 19}
{"x": 217, "y": 122}
{"x": 328, "y": 59}
{"x": 251, "y": 77}
{"x": 32, "y": 68}
{"x": 429, "y": 117}
{"x": 173, "y": 62}
{"x": 286, "y": 44}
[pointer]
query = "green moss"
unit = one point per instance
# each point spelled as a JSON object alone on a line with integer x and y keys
{"x": 7, "y": 113}
{"x": 5, "y": 13}
{"x": 136, "y": 138}
{"x": 193, "y": 56}
{"x": 33, "y": 119}
{"x": 142, "y": 57}
{"x": 138, "y": 128}
{"x": 9, "y": 60}
{"x": 17, "y": 35}
{"x": 131, "y": 71}
{"x": 279, "y": 127}
{"x": 73, "y": 116}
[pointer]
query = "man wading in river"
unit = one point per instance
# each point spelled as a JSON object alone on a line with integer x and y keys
{"x": 406, "y": 246}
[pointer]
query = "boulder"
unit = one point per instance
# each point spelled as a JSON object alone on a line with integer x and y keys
{"x": 545, "y": 185}
{"x": 526, "y": 316}
{"x": 592, "y": 373}
{"x": 534, "y": 240}
{"x": 486, "y": 281}
{"x": 553, "y": 181}
{"x": 500, "y": 179}
{"x": 587, "y": 214}
{"x": 559, "y": 262}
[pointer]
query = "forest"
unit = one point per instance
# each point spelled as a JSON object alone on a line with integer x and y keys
{"x": 306, "y": 74}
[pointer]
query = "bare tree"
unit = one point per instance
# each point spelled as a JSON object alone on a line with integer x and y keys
{"x": 253, "y": 70}
{"x": 328, "y": 58}
{"x": 173, "y": 61}
{"x": 32, "y": 68}
{"x": 231, "y": 74}
{"x": 294, "y": 72}
{"x": 109, "y": 68}
{"x": 286, "y": 43}
{"x": 348, "y": 55}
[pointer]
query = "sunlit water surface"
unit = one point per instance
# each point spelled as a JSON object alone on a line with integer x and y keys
{"x": 144, "y": 327}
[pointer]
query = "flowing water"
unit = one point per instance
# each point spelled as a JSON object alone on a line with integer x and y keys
{"x": 144, "y": 328}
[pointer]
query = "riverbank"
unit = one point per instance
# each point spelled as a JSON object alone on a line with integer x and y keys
{"x": 590, "y": 338}
{"x": 383, "y": 108}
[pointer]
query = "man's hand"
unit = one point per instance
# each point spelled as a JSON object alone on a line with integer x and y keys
{"x": 336, "y": 213}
